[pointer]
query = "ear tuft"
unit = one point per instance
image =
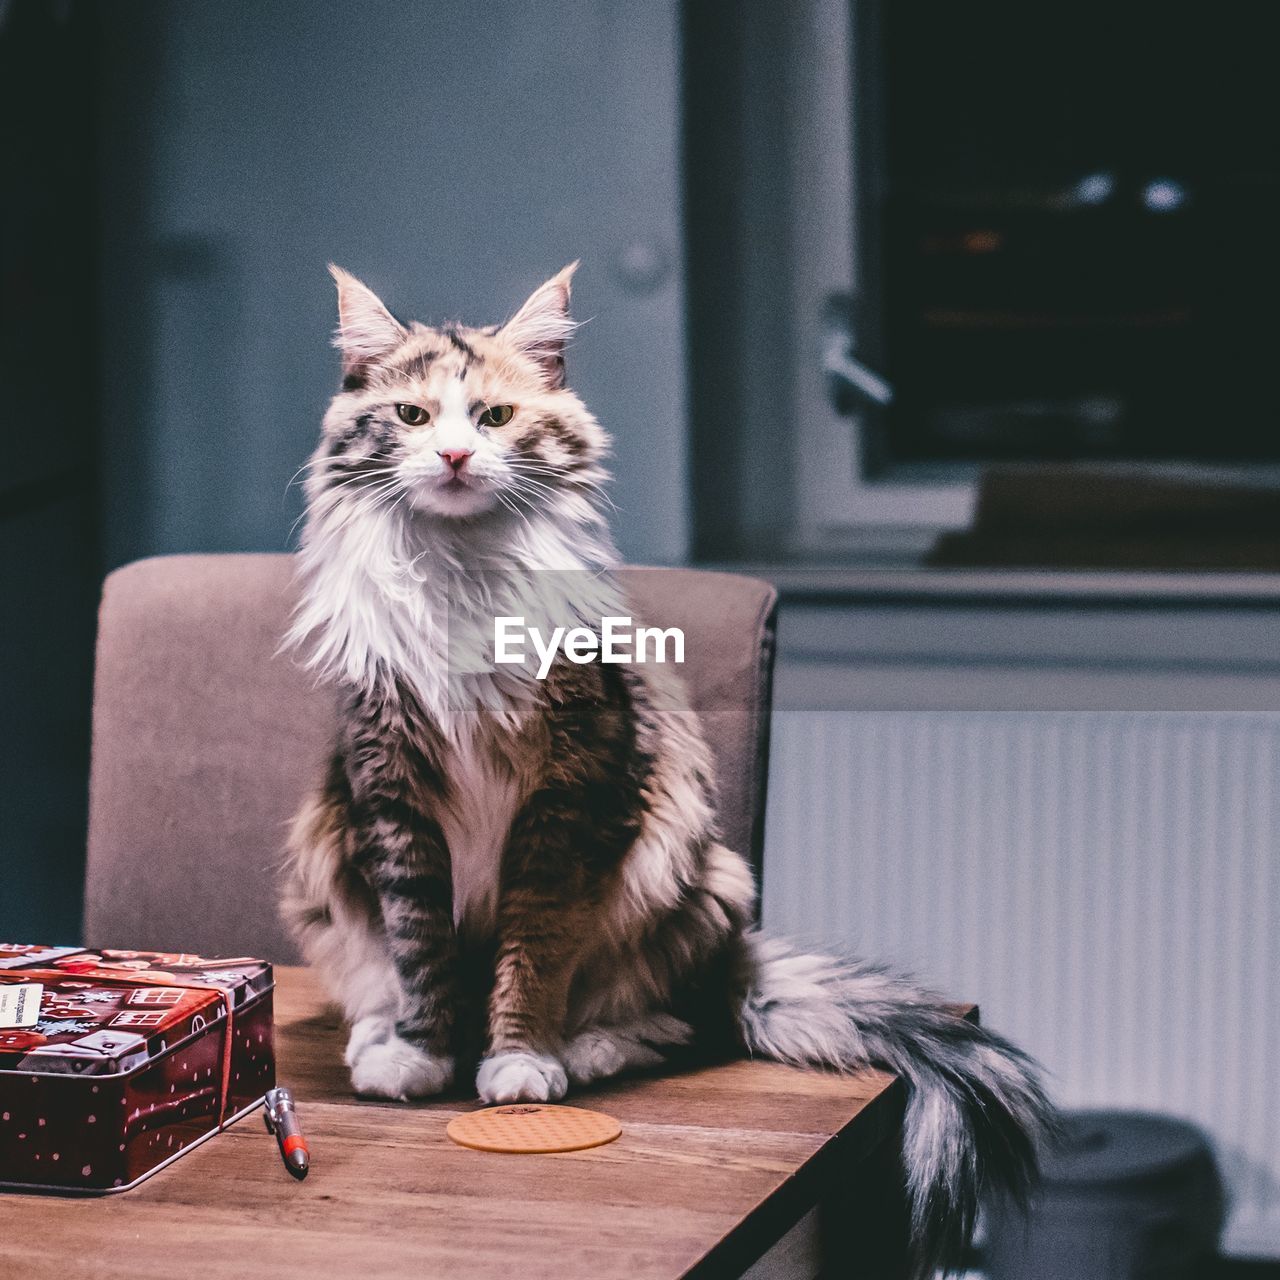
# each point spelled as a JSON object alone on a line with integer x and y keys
{"x": 366, "y": 329}
{"x": 542, "y": 327}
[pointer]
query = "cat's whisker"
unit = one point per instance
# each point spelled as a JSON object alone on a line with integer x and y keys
{"x": 515, "y": 495}
{"x": 323, "y": 460}
{"x": 575, "y": 479}
{"x": 537, "y": 501}
{"x": 533, "y": 479}
{"x": 340, "y": 513}
{"x": 517, "y": 500}
{"x": 312, "y": 465}
{"x": 334, "y": 491}
{"x": 339, "y": 459}
{"x": 293, "y": 528}
{"x": 507, "y": 501}
{"x": 571, "y": 477}
{"x": 357, "y": 476}
{"x": 531, "y": 486}
{"x": 403, "y": 496}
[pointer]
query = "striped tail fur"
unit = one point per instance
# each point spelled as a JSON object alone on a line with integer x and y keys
{"x": 976, "y": 1109}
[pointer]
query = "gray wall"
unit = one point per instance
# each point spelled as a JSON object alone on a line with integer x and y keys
{"x": 48, "y": 586}
{"x": 452, "y": 155}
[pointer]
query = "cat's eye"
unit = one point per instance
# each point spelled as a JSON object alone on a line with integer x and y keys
{"x": 497, "y": 415}
{"x": 412, "y": 415}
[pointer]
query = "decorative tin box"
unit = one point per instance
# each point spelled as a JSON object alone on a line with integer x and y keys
{"x": 113, "y": 1063}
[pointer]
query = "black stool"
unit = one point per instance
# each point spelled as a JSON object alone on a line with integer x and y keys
{"x": 1126, "y": 1196}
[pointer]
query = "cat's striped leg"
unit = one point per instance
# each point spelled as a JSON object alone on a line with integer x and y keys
{"x": 337, "y": 919}
{"x": 556, "y": 860}
{"x": 406, "y": 1050}
{"x": 562, "y": 852}
{"x": 540, "y": 937}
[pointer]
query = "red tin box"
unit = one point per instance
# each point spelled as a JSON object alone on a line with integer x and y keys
{"x": 113, "y": 1063}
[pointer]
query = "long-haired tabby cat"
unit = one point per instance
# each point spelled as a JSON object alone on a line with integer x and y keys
{"x": 545, "y": 852}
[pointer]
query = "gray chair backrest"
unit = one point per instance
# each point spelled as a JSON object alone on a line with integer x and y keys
{"x": 205, "y": 739}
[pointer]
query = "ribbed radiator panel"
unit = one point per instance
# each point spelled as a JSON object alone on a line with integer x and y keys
{"x": 1107, "y": 886}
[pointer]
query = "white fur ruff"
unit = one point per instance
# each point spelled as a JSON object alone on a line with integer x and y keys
{"x": 400, "y": 595}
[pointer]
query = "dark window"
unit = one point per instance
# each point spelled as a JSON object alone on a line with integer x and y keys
{"x": 1072, "y": 229}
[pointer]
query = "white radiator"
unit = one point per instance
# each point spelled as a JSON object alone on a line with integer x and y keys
{"x": 1106, "y": 886}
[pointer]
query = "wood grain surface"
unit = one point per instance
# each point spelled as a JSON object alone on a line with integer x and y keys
{"x": 712, "y": 1167}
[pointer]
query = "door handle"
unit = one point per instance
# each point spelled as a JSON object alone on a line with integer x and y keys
{"x": 852, "y": 381}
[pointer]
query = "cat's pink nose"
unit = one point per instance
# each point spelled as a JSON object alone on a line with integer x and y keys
{"x": 455, "y": 457}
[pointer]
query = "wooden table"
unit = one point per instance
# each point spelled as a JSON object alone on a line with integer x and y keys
{"x": 745, "y": 1167}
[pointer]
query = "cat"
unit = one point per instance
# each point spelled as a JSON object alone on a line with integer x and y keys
{"x": 526, "y": 872}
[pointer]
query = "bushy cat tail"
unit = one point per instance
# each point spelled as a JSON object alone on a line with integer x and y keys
{"x": 976, "y": 1109}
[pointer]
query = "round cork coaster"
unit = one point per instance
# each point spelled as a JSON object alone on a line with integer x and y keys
{"x": 533, "y": 1128}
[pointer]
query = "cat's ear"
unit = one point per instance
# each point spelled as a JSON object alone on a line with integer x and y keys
{"x": 366, "y": 329}
{"x": 543, "y": 325}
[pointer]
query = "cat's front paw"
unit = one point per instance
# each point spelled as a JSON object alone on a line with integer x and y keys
{"x": 394, "y": 1068}
{"x": 518, "y": 1076}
